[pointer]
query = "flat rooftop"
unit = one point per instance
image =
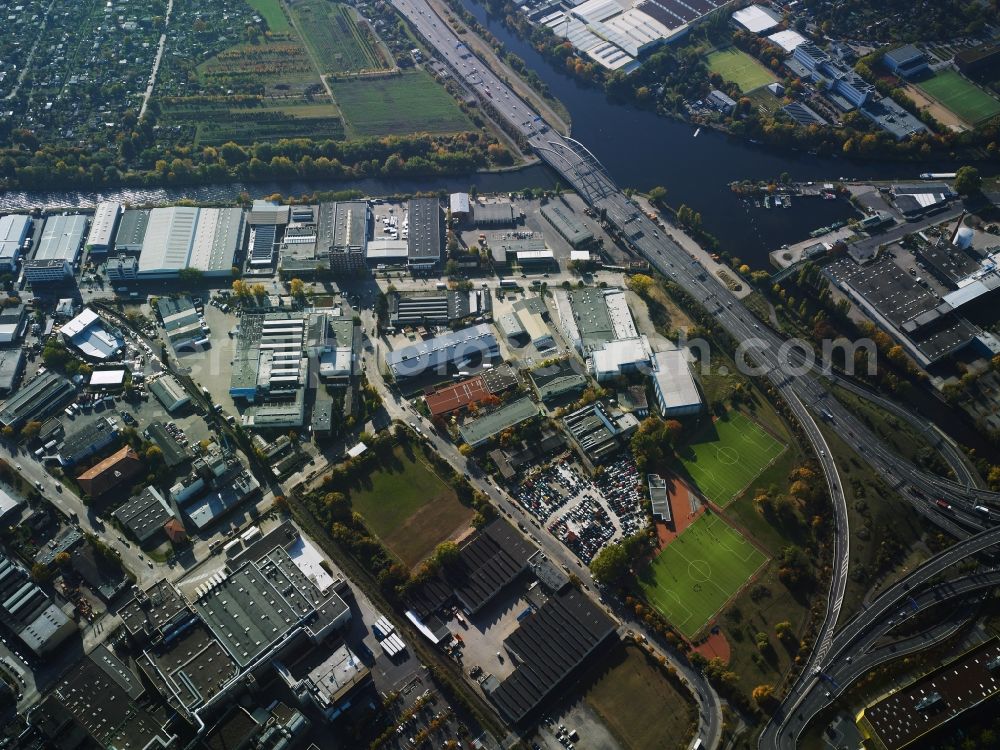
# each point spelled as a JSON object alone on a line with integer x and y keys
{"x": 479, "y": 430}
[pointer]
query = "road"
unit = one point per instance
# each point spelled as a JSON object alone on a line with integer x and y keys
{"x": 849, "y": 641}
{"x": 767, "y": 352}
{"x": 709, "y": 704}
{"x": 156, "y": 63}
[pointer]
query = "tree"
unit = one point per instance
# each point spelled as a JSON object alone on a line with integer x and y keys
{"x": 763, "y": 696}
{"x": 968, "y": 181}
{"x": 297, "y": 288}
{"x": 190, "y": 274}
{"x": 611, "y": 563}
{"x": 41, "y": 573}
{"x": 446, "y": 554}
{"x": 30, "y": 430}
{"x": 62, "y": 559}
{"x": 640, "y": 283}
{"x": 657, "y": 195}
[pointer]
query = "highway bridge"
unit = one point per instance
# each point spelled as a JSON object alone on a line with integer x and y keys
{"x": 771, "y": 354}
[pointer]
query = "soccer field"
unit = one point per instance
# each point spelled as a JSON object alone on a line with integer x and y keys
{"x": 962, "y": 97}
{"x": 698, "y": 572}
{"x": 722, "y": 460}
{"x": 738, "y": 67}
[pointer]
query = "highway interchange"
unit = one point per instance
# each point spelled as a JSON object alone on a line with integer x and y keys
{"x": 969, "y": 508}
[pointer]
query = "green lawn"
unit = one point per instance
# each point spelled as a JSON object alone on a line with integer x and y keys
{"x": 410, "y": 508}
{"x": 270, "y": 11}
{"x": 698, "y": 572}
{"x": 726, "y": 456}
{"x": 738, "y": 67}
{"x": 408, "y": 103}
{"x": 961, "y": 96}
{"x": 628, "y": 689}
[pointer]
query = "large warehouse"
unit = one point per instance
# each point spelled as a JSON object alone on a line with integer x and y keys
{"x": 179, "y": 237}
{"x": 676, "y": 390}
{"x": 102, "y": 229}
{"x": 15, "y": 231}
{"x": 88, "y": 334}
{"x": 452, "y": 348}
{"x": 58, "y": 249}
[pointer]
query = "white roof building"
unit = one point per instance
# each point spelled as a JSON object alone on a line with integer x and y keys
{"x": 620, "y": 356}
{"x": 788, "y": 39}
{"x": 676, "y": 390}
{"x": 458, "y": 203}
{"x": 181, "y": 237}
{"x": 91, "y": 337}
{"x": 61, "y": 238}
{"x": 756, "y": 18}
{"x": 102, "y": 229}
{"x": 14, "y": 232}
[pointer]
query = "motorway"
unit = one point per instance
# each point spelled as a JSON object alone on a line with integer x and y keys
{"x": 784, "y": 730}
{"x": 769, "y": 353}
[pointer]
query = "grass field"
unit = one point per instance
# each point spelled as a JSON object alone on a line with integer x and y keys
{"x": 698, "y": 572}
{"x": 628, "y": 691}
{"x": 339, "y": 44}
{"x": 962, "y": 97}
{"x": 270, "y": 11}
{"x": 409, "y": 103}
{"x": 726, "y": 456}
{"x": 410, "y": 508}
{"x": 212, "y": 124}
{"x": 738, "y": 67}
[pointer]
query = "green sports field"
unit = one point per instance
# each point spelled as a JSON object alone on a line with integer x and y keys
{"x": 738, "y": 67}
{"x": 726, "y": 456}
{"x": 698, "y": 572}
{"x": 961, "y": 96}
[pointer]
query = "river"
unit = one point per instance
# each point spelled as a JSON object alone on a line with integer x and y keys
{"x": 639, "y": 149}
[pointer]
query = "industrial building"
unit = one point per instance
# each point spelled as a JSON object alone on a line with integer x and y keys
{"x": 344, "y": 228}
{"x": 298, "y": 252}
{"x": 978, "y": 60}
{"x": 928, "y": 329}
{"x": 841, "y": 85}
{"x": 182, "y": 323}
{"x": 490, "y": 561}
{"x": 88, "y": 334}
{"x": 918, "y": 199}
{"x": 13, "y": 323}
{"x": 15, "y": 236}
{"x": 131, "y": 231}
{"x": 448, "y": 350}
{"x": 588, "y": 318}
{"x": 615, "y": 36}
{"x": 269, "y": 363}
{"x": 103, "y": 227}
{"x": 218, "y": 488}
{"x": 187, "y": 237}
{"x": 460, "y": 206}
{"x": 120, "y": 467}
{"x": 597, "y": 433}
{"x": 144, "y": 515}
{"x": 557, "y": 380}
{"x": 424, "y": 242}
{"x": 438, "y": 307}
{"x": 36, "y": 399}
{"x": 477, "y": 431}
{"x": 493, "y": 214}
{"x": 122, "y": 269}
{"x": 788, "y": 40}
{"x": 169, "y": 392}
{"x": 28, "y": 612}
{"x": 383, "y": 251}
{"x": 566, "y": 223}
{"x": 910, "y": 716}
{"x": 11, "y": 369}
{"x": 550, "y": 644}
{"x": 89, "y": 439}
{"x": 677, "y": 393}
{"x": 620, "y": 357}
{"x": 58, "y": 249}
{"x": 452, "y": 398}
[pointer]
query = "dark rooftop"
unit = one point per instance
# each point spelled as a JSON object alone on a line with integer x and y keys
{"x": 908, "y": 716}
{"x": 424, "y": 241}
{"x": 550, "y": 644}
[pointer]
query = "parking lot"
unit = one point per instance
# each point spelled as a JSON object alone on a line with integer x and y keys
{"x": 582, "y": 513}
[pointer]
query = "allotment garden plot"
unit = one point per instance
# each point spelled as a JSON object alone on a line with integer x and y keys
{"x": 340, "y": 42}
{"x": 409, "y": 507}
{"x": 726, "y": 456}
{"x": 582, "y": 513}
{"x": 693, "y": 578}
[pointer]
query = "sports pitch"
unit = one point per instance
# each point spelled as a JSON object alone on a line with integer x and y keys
{"x": 962, "y": 97}
{"x": 727, "y": 456}
{"x": 738, "y": 67}
{"x": 698, "y": 572}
